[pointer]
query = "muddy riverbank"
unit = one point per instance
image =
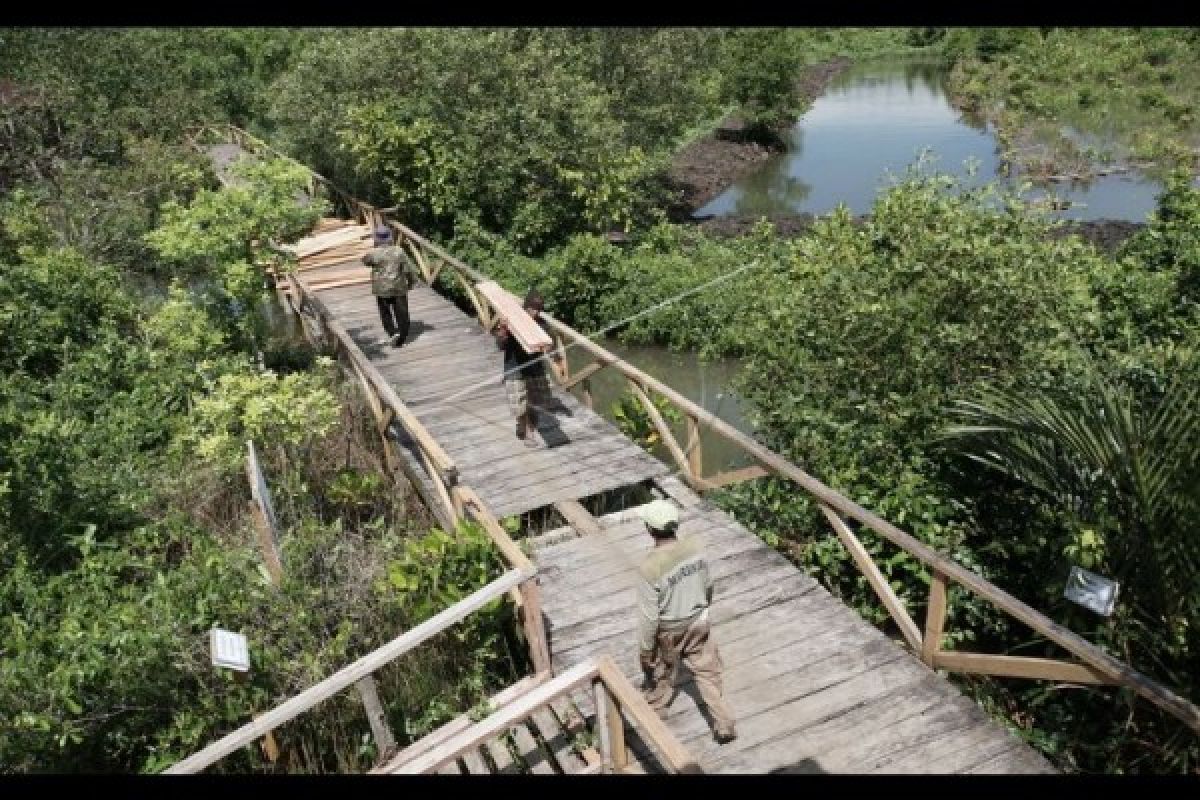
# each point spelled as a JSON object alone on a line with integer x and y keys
{"x": 707, "y": 166}
{"x": 1107, "y": 235}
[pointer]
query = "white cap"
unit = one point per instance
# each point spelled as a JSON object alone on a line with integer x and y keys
{"x": 660, "y": 516}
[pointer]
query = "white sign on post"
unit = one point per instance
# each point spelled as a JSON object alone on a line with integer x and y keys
{"x": 1093, "y": 592}
{"x": 229, "y": 650}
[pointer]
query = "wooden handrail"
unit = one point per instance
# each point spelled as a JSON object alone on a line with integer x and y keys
{"x": 349, "y": 675}
{"x": 626, "y": 700}
{"x": 1091, "y": 655}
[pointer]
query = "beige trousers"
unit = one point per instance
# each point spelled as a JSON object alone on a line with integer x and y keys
{"x": 694, "y": 647}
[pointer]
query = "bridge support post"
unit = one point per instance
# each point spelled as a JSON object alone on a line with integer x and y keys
{"x": 935, "y": 619}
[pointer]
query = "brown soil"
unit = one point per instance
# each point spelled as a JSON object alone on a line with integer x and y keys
{"x": 704, "y": 168}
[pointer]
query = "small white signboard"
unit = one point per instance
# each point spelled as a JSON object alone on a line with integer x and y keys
{"x": 229, "y": 650}
{"x": 1093, "y": 592}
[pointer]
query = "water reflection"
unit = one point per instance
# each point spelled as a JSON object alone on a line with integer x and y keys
{"x": 878, "y": 117}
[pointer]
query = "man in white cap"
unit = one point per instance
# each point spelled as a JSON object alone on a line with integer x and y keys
{"x": 674, "y": 593}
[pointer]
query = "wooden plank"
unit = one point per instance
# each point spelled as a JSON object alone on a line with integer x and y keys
{"x": 504, "y": 543}
{"x": 604, "y": 725}
{"x": 348, "y": 675}
{"x": 578, "y": 517}
{"x": 473, "y": 761}
{"x": 385, "y": 743}
{"x": 583, "y": 375}
{"x": 514, "y": 712}
{"x": 531, "y": 752}
{"x": 879, "y": 583}
{"x": 616, "y": 731}
{"x": 735, "y": 476}
{"x": 664, "y": 431}
{"x": 505, "y": 765}
{"x": 452, "y": 768}
{"x": 527, "y": 331}
{"x": 558, "y": 741}
{"x": 1019, "y": 667}
{"x": 462, "y": 722}
{"x": 575, "y": 725}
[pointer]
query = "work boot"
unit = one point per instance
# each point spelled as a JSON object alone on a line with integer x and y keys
{"x": 397, "y": 340}
{"x": 725, "y": 736}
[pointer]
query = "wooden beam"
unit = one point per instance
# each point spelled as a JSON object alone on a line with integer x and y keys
{"x": 535, "y": 627}
{"x": 460, "y": 723}
{"x": 525, "y": 328}
{"x": 695, "y": 450}
{"x": 879, "y": 583}
{"x": 583, "y": 374}
{"x": 479, "y": 512}
{"x": 664, "y": 431}
{"x": 498, "y": 722}
{"x": 935, "y": 619}
{"x": 735, "y": 476}
{"x": 578, "y": 517}
{"x": 385, "y": 743}
{"x": 481, "y": 308}
{"x": 615, "y": 725}
{"x": 349, "y": 675}
{"x": 654, "y": 731}
{"x": 603, "y": 726}
{"x": 1048, "y": 669}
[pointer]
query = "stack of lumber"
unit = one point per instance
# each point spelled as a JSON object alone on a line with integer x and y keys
{"x": 531, "y": 335}
{"x": 333, "y": 243}
{"x": 332, "y": 246}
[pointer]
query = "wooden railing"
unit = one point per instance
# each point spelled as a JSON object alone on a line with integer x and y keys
{"x": 350, "y": 675}
{"x": 1093, "y": 665}
{"x": 616, "y": 702}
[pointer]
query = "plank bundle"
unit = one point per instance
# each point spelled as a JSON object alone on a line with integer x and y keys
{"x": 530, "y": 334}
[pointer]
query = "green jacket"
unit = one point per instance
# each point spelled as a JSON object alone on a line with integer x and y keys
{"x": 674, "y": 586}
{"x": 392, "y": 271}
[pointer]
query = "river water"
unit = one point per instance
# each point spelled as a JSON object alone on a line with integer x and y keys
{"x": 872, "y": 123}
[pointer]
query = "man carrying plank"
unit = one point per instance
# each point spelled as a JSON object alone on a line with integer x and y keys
{"x": 675, "y": 590}
{"x": 524, "y": 372}
{"x": 392, "y": 273}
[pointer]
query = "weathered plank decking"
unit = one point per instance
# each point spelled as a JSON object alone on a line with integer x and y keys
{"x": 815, "y": 687}
{"x": 449, "y": 375}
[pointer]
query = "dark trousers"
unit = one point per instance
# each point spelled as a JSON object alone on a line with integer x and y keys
{"x": 394, "y": 313}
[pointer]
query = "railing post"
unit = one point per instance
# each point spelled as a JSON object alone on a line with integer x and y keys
{"x": 535, "y": 629}
{"x": 935, "y": 619}
{"x": 600, "y": 696}
{"x": 586, "y": 386}
{"x": 385, "y": 743}
{"x": 695, "y": 450}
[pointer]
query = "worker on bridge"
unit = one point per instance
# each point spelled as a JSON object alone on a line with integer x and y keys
{"x": 675, "y": 590}
{"x": 392, "y": 275}
{"x": 525, "y": 379}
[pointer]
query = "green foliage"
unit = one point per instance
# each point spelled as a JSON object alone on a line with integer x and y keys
{"x": 289, "y": 412}
{"x": 634, "y": 421}
{"x": 1129, "y": 91}
{"x": 763, "y": 65}
{"x": 1170, "y": 243}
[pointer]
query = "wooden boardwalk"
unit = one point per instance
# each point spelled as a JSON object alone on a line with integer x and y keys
{"x": 447, "y": 354}
{"x": 815, "y": 687}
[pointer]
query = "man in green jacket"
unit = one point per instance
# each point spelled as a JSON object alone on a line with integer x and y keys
{"x": 392, "y": 275}
{"x": 674, "y": 592}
